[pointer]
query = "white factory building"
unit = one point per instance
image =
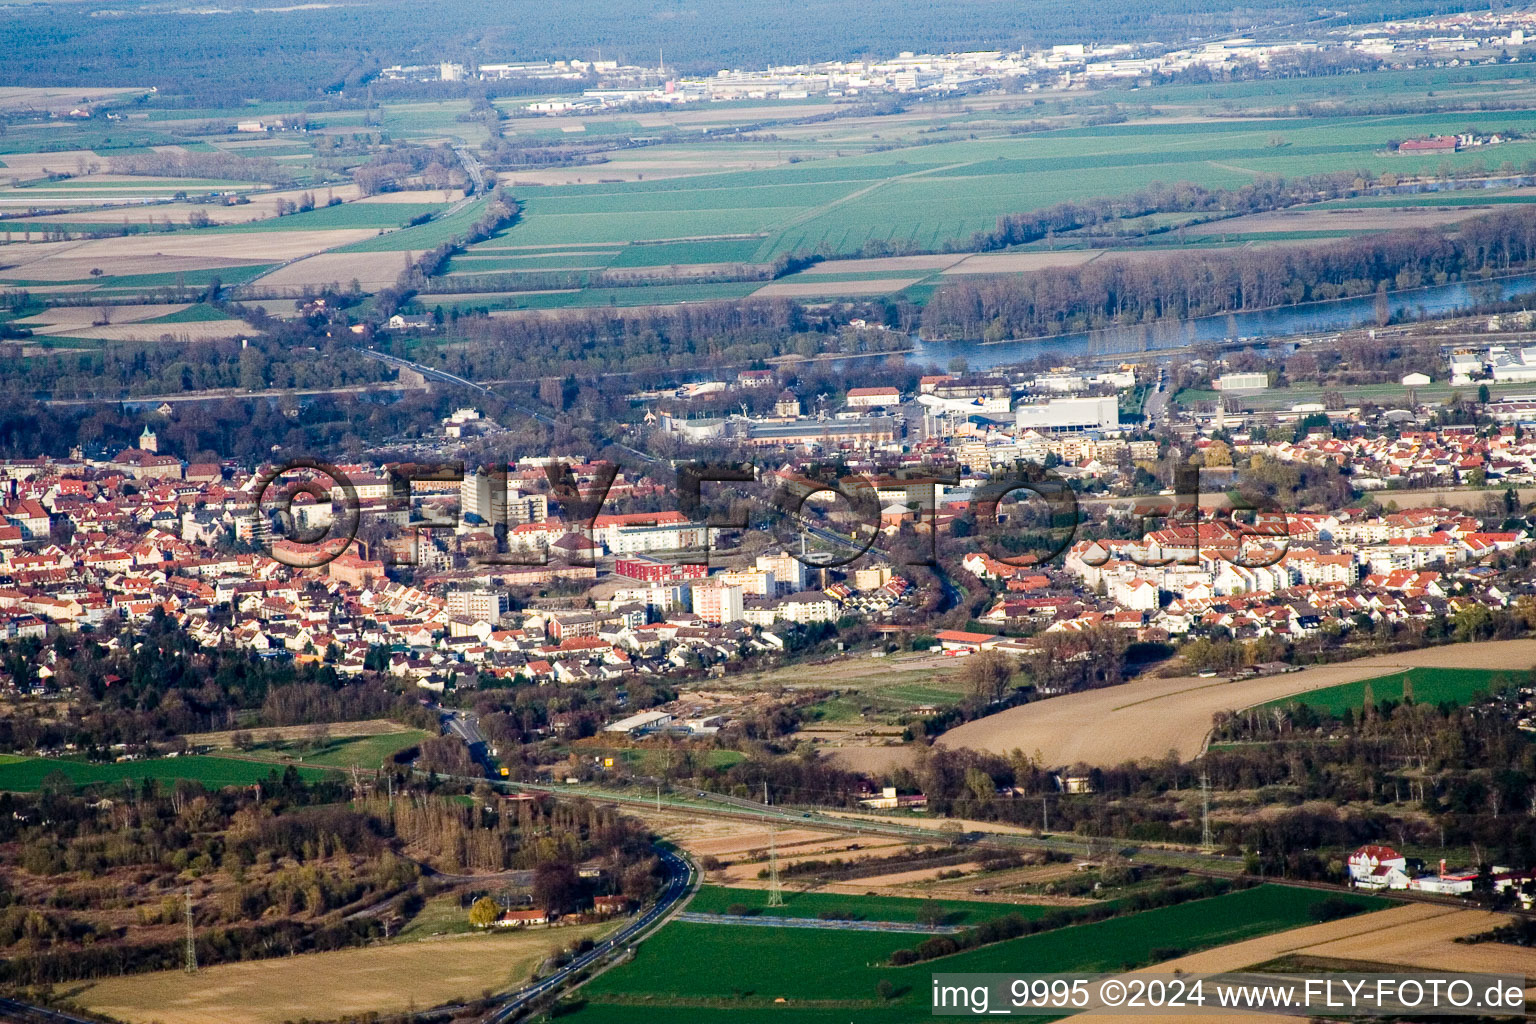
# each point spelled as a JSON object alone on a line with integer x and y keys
{"x": 1059, "y": 414}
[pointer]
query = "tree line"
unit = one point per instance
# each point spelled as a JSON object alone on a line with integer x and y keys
{"x": 1145, "y": 290}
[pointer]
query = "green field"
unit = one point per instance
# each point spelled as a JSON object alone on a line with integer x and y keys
{"x": 198, "y": 313}
{"x": 423, "y": 236}
{"x": 682, "y": 974}
{"x": 934, "y": 175}
{"x": 1430, "y": 686}
{"x": 924, "y": 195}
{"x": 714, "y": 899}
{"x": 344, "y": 752}
{"x": 342, "y": 215}
{"x": 610, "y": 296}
{"x": 139, "y": 282}
{"x": 27, "y": 774}
{"x": 717, "y": 250}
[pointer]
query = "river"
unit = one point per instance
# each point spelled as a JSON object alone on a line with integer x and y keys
{"x": 1279, "y": 322}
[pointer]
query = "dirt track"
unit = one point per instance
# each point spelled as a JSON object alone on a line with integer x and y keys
{"x": 1148, "y": 718}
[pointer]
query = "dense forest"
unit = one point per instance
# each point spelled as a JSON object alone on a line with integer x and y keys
{"x": 1149, "y": 289}
{"x": 229, "y": 56}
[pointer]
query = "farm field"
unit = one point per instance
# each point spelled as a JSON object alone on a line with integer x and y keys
{"x": 368, "y": 269}
{"x": 133, "y": 322}
{"x": 420, "y": 238}
{"x": 135, "y": 255}
{"x": 714, "y": 899}
{"x": 1146, "y": 718}
{"x": 768, "y": 964}
{"x": 345, "y": 215}
{"x": 28, "y": 774}
{"x": 271, "y": 733}
{"x": 928, "y": 194}
{"x": 340, "y": 752}
{"x": 1341, "y": 220}
{"x": 1429, "y": 942}
{"x": 832, "y": 195}
{"x": 1430, "y": 686}
{"x": 693, "y": 206}
{"x": 387, "y": 978}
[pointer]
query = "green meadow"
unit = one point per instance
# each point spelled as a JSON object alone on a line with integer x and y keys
{"x": 1430, "y": 686}
{"x": 716, "y": 899}
{"x": 27, "y": 775}
{"x": 684, "y": 973}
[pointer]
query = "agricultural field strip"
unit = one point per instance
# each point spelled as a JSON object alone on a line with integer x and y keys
{"x": 383, "y": 978}
{"x": 1146, "y": 718}
{"x": 1430, "y": 686}
{"x": 30, "y": 774}
{"x": 1166, "y": 146}
{"x": 771, "y": 965}
{"x": 828, "y": 924}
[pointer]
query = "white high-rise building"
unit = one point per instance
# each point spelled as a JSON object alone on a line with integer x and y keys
{"x": 485, "y": 501}
{"x": 478, "y": 604}
{"x": 788, "y": 571}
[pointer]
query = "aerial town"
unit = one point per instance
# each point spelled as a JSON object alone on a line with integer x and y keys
{"x": 633, "y": 513}
{"x": 1444, "y": 40}
{"x": 487, "y": 574}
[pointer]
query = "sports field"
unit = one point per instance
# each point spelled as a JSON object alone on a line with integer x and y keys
{"x": 827, "y": 976}
{"x": 27, "y": 774}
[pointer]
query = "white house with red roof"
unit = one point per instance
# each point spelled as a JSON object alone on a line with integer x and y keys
{"x": 1378, "y": 867}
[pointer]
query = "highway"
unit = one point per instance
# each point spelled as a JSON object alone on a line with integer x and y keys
{"x": 466, "y": 727}
{"x": 15, "y": 1012}
{"x": 682, "y": 881}
{"x": 471, "y": 167}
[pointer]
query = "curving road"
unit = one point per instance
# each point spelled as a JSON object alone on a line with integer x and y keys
{"x": 682, "y": 881}
{"x": 13, "y": 1011}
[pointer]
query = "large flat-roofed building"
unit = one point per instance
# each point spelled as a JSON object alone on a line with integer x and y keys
{"x": 863, "y": 431}
{"x": 649, "y": 570}
{"x": 641, "y": 724}
{"x": 1229, "y": 382}
{"x": 1058, "y": 414}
